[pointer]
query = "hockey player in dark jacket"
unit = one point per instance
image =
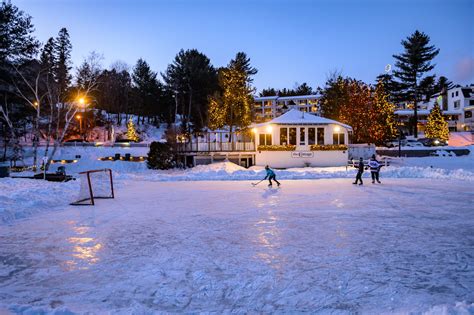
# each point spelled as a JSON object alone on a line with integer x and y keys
{"x": 374, "y": 169}
{"x": 360, "y": 171}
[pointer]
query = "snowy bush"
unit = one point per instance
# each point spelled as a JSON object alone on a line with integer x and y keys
{"x": 161, "y": 156}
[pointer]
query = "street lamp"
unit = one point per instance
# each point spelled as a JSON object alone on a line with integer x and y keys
{"x": 79, "y": 117}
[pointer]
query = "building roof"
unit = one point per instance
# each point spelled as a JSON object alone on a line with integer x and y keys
{"x": 286, "y": 98}
{"x": 410, "y": 112}
{"x": 296, "y": 117}
{"x": 467, "y": 92}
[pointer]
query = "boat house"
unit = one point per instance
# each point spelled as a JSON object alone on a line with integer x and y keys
{"x": 294, "y": 139}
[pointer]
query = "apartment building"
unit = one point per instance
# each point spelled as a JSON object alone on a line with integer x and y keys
{"x": 269, "y": 107}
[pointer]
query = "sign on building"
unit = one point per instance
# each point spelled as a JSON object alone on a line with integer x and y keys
{"x": 302, "y": 154}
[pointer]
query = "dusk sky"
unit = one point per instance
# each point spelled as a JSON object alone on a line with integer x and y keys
{"x": 287, "y": 41}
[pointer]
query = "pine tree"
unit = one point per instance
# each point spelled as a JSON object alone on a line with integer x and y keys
{"x": 62, "y": 50}
{"x": 148, "y": 90}
{"x": 48, "y": 60}
{"x": 191, "y": 79}
{"x": 131, "y": 132}
{"x": 411, "y": 65}
{"x": 17, "y": 42}
{"x": 436, "y": 126}
{"x": 242, "y": 63}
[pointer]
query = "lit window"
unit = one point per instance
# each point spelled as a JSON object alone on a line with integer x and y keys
{"x": 338, "y": 138}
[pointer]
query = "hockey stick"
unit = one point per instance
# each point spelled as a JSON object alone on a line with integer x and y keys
{"x": 255, "y": 184}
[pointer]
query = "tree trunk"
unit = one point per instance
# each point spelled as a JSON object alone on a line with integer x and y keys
{"x": 188, "y": 119}
{"x": 36, "y": 140}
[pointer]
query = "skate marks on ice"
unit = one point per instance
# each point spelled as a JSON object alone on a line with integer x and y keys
{"x": 224, "y": 247}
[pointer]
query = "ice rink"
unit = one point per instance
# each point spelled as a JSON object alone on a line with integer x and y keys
{"x": 326, "y": 246}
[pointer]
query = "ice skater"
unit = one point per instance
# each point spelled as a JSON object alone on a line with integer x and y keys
{"x": 360, "y": 171}
{"x": 271, "y": 175}
{"x": 374, "y": 169}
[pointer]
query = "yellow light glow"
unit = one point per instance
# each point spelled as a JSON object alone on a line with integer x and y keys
{"x": 337, "y": 129}
{"x": 254, "y": 130}
{"x": 35, "y": 103}
{"x": 269, "y": 129}
{"x": 82, "y": 101}
{"x": 78, "y": 116}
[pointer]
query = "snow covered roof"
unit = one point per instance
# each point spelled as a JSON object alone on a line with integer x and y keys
{"x": 286, "y": 98}
{"x": 410, "y": 112}
{"x": 296, "y": 117}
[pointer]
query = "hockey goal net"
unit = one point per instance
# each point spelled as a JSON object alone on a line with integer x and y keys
{"x": 95, "y": 184}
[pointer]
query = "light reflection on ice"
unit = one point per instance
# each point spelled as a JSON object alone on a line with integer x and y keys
{"x": 269, "y": 240}
{"x": 85, "y": 249}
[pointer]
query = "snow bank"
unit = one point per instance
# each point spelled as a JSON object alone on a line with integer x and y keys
{"x": 22, "y": 197}
{"x": 231, "y": 171}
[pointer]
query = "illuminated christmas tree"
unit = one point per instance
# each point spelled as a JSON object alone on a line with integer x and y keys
{"x": 131, "y": 132}
{"x": 436, "y": 127}
{"x": 383, "y": 126}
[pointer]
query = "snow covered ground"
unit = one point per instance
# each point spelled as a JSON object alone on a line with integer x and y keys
{"x": 203, "y": 239}
{"x": 405, "y": 246}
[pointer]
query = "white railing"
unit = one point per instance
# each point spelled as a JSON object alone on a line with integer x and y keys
{"x": 216, "y": 147}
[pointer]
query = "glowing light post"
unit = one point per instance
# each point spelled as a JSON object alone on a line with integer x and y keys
{"x": 82, "y": 105}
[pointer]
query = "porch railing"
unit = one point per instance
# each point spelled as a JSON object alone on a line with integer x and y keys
{"x": 216, "y": 147}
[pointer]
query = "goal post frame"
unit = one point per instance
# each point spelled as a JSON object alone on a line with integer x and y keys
{"x": 91, "y": 196}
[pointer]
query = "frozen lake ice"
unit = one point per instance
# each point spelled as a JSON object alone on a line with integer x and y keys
{"x": 326, "y": 246}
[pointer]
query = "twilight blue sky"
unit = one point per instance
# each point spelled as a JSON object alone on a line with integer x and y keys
{"x": 288, "y": 41}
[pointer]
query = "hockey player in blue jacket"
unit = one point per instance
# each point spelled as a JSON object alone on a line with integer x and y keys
{"x": 271, "y": 175}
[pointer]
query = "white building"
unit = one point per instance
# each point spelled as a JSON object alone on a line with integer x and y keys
{"x": 299, "y": 139}
{"x": 457, "y": 107}
{"x": 294, "y": 139}
{"x": 269, "y": 107}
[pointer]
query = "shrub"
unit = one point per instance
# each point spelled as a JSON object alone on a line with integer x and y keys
{"x": 288, "y": 147}
{"x": 161, "y": 156}
{"x": 328, "y": 147}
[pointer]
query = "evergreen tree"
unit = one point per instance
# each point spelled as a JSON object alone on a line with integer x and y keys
{"x": 191, "y": 79}
{"x": 48, "y": 59}
{"x": 411, "y": 65}
{"x": 148, "y": 90}
{"x": 436, "y": 126}
{"x": 63, "y": 67}
{"x": 334, "y": 96}
{"x": 17, "y": 42}
{"x": 303, "y": 89}
{"x": 443, "y": 84}
{"x": 242, "y": 63}
{"x": 268, "y": 92}
{"x": 17, "y": 47}
{"x": 390, "y": 86}
{"x": 131, "y": 131}
{"x": 114, "y": 92}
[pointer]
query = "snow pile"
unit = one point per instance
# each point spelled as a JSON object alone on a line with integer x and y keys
{"x": 22, "y": 197}
{"x": 231, "y": 171}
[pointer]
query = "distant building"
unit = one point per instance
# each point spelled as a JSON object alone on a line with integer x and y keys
{"x": 457, "y": 106}
{"x": 269, "y": 107}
